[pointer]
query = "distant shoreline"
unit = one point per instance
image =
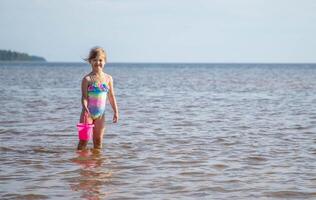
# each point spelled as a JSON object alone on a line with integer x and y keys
{"x": 14, "y": 56}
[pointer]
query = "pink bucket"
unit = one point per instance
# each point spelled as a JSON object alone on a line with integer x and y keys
{"x": 85, "y": 131}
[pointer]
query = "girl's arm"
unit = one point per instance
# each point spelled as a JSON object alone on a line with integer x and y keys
{"x": 112, "y": 100}
{"x": 84, "y": 90}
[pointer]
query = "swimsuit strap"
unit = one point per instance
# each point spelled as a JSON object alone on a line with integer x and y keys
{"x": 92, "y": 79}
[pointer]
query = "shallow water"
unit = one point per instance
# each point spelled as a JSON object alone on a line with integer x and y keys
{"x": 206, "y": 131}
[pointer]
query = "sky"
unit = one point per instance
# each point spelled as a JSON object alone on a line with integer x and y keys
{"x": 186, "y": 31}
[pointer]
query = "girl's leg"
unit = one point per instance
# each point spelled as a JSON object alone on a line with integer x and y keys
{"x": 83, "y": 143}
{"x": 98, "y": 132}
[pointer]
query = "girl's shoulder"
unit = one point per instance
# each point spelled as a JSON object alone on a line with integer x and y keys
{"x": 87, "y": 78}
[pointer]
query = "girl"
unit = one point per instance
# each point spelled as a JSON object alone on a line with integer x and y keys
{"x": 96, "y": 86}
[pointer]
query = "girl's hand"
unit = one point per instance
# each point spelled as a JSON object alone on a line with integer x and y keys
{"x": 115, "y": 117}
{"x": 87, "y": 112}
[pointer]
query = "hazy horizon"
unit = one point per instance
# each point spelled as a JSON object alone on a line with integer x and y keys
{"x": 185, "y": 63}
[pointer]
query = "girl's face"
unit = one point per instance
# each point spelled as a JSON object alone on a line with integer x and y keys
{"x": 97, "y": 63}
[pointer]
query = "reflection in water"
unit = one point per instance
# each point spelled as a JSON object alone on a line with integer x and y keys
{"x": 93, "y": 175}
{"x": 89, "y": 159}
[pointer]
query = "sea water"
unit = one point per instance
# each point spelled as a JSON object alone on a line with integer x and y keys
{"x": 186, "y": 131}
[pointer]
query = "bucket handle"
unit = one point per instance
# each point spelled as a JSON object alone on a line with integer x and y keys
{"x": 85, "y": 116}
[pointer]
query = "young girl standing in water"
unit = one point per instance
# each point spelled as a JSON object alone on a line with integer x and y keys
{"x": 96, "y": 87}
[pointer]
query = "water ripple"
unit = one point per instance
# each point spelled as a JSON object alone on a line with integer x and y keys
{"x": 210, "y": 131}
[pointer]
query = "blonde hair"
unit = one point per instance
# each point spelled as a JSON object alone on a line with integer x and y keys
{"x": 94, "y": 52}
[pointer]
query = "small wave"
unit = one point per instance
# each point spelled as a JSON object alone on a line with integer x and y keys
{"x": 290, "y": 194}
{"x": 146, "y": 111}
{"x": 110, "y": 135}
{"x": 243, "y": 127}
{"x": 176, "y": 189}
{"x": 9, "y": 122}
{"x": 183, "y": 162}
{"x": 9, "y": 149}
{"x": 179, "y": 118}
{"x": 221, "y": 140}
{"x": 296, "y": 127}
{"x": 127, "y": 146}
{"x": 60, "y": 135}
{"x": 185, "y": 124}
{"x": 26, "y": 196}
{"x": 197, "y": 174}
{"x": 215, "y": 189}
{"x": 231, "y": 143}
{"x": 192, "y": 173}
{"x": 300, "y": 127}
{"x": 313, "y": 151}
{"x": 214, "y": 121}
{"x": 256, "y": 158}
{"x": 44, "y": 150}
{"x": 6, "y": 149}
{"x": 232, "y": 181}
{"x": 220, "y": 166}
{"x": 8, "y": 131}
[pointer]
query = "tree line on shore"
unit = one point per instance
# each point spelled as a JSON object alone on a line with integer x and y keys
{"x": 8, "y": 55}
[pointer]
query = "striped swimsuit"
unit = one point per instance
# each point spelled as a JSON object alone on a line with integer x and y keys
{"x": 97, "y": 93}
